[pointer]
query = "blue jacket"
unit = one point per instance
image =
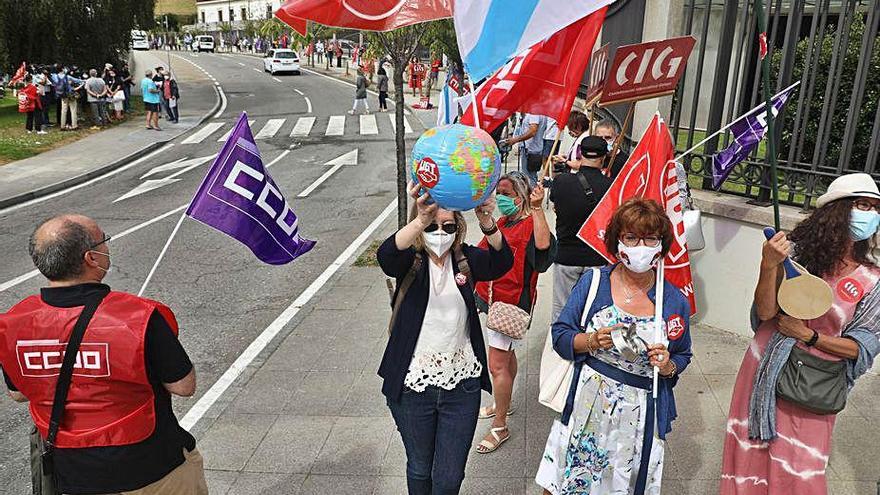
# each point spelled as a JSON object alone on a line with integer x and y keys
{"x": 569, "y": 324}
{"x": 485, "y": 265}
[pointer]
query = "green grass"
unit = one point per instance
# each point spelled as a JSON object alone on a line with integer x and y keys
{"x": 368, "y": 257}
{"x": 17, "y": 144}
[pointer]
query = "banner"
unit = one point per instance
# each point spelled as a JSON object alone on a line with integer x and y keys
{"x": 543, "y": 80}
{"x": 649, "y": 173}
{"x": 646, "y": 70}
{"x": 239, "y": 198}
{"x": 367, "y": 15}
{"x": 598, "y": 73}
{"x": 747, "y": 132}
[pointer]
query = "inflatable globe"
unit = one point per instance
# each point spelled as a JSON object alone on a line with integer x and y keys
{"x": 458, "y": 164}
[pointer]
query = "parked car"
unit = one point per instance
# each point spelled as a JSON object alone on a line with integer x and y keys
{"x": 281, "y": 60}
{"x": 204, "y": 43}
{"x": 139, "y": 40}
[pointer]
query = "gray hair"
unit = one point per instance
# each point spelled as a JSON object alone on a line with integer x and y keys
{"x": 608, "y": 124}
{"x": 93, "y": 72}
{"x": 521, "y": 187}
{"x": 148, "y": 73}
{"x": 61, "y": 257}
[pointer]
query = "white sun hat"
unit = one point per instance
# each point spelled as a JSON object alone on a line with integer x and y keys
{"x": 849, "y": 186}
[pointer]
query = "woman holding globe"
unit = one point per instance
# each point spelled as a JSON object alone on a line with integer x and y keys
{"x": 534, "y": 247}
{"x": 434, "y": 365}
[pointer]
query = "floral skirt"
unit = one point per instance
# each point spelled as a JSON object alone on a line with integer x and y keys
{"x": 599, "y": 451}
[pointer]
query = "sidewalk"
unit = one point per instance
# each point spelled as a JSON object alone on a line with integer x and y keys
{"x": 309, "y": 417}
{"x": 104, "y": 151}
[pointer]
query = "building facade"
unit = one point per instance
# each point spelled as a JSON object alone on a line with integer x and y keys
{"x": 212, "y": 13}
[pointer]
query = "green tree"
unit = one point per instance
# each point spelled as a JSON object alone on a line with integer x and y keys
{"x": 440, "y": 38}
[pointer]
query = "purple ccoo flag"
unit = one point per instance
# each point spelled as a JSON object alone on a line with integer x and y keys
{"x": 747, "y": 131}
{"x": 239, "y": 198}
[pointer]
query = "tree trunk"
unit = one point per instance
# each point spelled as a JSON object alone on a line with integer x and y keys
{"x": 399, "y": 138}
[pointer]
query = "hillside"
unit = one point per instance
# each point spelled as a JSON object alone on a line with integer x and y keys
{"x": 182, "y": 7}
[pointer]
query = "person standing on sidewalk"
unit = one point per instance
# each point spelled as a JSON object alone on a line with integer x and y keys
{"x": 435, "y": 362}
{"x": 382, "y": 85}
{"x": 150, "y": 95}
{"x": 117, "y": 433}
{"x": 171, "y": 94}
{"x": 44, "y": 90}
{"x": 360, "y": 95}
{"x": 96, "y": 89}
{"x": 69, "y": 89}
{"x": 530, "y": 133}
{"x": 29, "y": 103}
{"x": 575, "y": 194}
{"x": 127, "y": 83}
{"x": 534, "y": 248}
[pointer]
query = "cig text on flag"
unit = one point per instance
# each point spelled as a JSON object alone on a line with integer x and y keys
{"x": 238, "y": 197}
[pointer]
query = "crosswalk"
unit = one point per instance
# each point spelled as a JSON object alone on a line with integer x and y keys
{"x": 303, "y": 127}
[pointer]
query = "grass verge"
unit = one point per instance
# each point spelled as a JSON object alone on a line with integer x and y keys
{"x": 368, "y": 257}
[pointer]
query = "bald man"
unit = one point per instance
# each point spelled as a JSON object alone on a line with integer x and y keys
{"x": 118, "y": 433}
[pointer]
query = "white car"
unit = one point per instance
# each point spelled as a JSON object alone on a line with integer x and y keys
{"x": 204, "y": 43}
{"x": 281, "y": 60}
{"x": 140, "y": 44}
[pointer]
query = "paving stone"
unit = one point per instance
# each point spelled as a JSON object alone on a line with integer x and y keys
{"x": 694, "y": 396}
{"x": 357, "y": 276}
{"x": 694, "y": 447}
{"x": 853, "y": 488}
{"x": 317, "y": 484}
{"x": 691, "y": 487}
{"x": 722, "y": 388}
{"x": 356, "y": 446}
{"x": 343, "y": 297}
{"x": 267, "y": 392}
{"x": 394, "y": 463}
{"x": 347, "y": 354}
{"x": 291, "y": 445}
{"x": 391, "y": 485}
{"x": 505, "y": 462}
{"x": 219, "y": 482}
{"x": 474, "y": 485}
{"x": 320, "y": 394}
{"x": 232, "y": 439}
{"x": 365, "y": 398}
{"x": 267, "y": 483}
{"x": 299, "y": 353}
{"x": 718, "y": 353}
{"x": 322, "y": 323}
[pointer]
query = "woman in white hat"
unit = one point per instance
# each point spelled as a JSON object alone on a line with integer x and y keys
{"x": 782, "y": 445}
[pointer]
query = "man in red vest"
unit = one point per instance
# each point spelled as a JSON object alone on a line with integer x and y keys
{"x": 118, "y": 433}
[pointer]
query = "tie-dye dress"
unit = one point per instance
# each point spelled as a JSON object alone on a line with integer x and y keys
{"x": 795, "y": 461}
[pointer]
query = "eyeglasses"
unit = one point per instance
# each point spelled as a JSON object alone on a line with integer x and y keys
{"x": 864, "y": 205}
{"x": 633, "y": 240}
{"x": 102, "y": 241}
{"x": 608, "y": 139}
{"x": 449, "y": 228}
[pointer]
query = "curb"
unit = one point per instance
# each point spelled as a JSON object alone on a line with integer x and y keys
{"x": 79, "y": 179}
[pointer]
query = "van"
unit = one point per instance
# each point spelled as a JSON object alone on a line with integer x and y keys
{"x": 139, "y": 40}
{"x": 204, "y": 43}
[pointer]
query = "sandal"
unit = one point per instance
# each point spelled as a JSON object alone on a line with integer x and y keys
{"x": 486, "y": 446}
{"x": 489, "y": 411}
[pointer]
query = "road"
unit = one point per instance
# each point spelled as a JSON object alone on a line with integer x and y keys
{"x": 223, "y": 296}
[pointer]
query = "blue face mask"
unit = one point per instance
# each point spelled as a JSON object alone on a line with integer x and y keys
{"x": 863, "y": 224}
{"x": 610, "y": 146}
{"x": 506, "y": 205}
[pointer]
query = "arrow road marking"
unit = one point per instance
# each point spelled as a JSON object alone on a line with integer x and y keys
{"x": 180, "y": 163}
{"x": 349, "y": 158}
{"x": 204, "y": 132}
{"x": 151, "y": 184}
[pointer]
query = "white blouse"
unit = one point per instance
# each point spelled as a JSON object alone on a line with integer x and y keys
{"x": 443, "y": 356}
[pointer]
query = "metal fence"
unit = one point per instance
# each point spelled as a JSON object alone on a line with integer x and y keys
{"x": 830, "y": 126}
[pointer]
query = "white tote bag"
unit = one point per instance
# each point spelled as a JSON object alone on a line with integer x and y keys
{"x": 557, "y": 372}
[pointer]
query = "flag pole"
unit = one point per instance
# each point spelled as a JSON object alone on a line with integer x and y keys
{"x": 161, "y": 254}
{"x": 658, "y": 318}
{"x": 771, "y": 125}
{"x": 616, "y": 148}
{"x": 474, "y": 103}
{"x": 545, "y": 170}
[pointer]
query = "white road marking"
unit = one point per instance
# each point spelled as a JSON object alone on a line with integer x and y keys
{"x": 276, "y": 79}
{"x": 253, "y": 350}
{"x": 298, "y": 92}
{"x": 256, "y": 69}
{"x": 176, "y": 164}
{"x": 87, "y": 183}
{"x": 303, "y": 127}
{"x": 222, "y": 102}
{"x": 368, "y": 125}
{"x": 241, "y": 64}
{"x": 203, "y": 133}
{"x": 406, "y": 127}
{"x": 336, "y": 126}
{"x": 349, "y": 158}
{"x": 151, "y": 184}
{"x": 309, "y": 103}
{"x": 270, "y": 129}
{"x": 224, "y": 137}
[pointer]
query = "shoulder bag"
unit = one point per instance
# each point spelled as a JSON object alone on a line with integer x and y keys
{"x": 507, "y": 319}
{"x": 42, "y": 450}
{"x": 815, "y": 384}
{"x": 556, "y": 371}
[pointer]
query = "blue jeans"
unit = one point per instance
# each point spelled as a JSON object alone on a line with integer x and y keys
{"x": 437, "y": 427}
{"x": 523, "y": 165}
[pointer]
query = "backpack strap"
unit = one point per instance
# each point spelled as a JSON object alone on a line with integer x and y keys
{"x": 405, "y": 284}
{"x": 461, "y": 261}
{"x": 588, "y": 189}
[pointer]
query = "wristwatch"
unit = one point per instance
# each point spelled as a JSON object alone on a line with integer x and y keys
{"x": 491, "y": 230}
{"x": 813, "y": 339}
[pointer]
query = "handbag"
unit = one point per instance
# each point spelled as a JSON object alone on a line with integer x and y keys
{"x": 813, "y": 383}
{"x": 556, "y": 371}
{"x": 693, "y": 225}
{"x": 42, "y": 450}
{"x": 507, "y": 319}
{"x": 119, "y": 96}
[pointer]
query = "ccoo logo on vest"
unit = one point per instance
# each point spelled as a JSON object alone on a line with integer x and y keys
{"x": 43, "y": 358}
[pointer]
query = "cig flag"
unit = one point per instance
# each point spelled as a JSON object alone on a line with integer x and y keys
{"x": 747, "y": 132}
{"x": 238, "y": 197}
{"x": 541, "y": 80}
{"x": 649, "y": 173}
{"x": 491, "y": 32}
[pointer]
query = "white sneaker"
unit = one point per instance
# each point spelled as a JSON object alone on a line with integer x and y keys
{"x": 42, "y": 132}
{"x": 351, "y": 112}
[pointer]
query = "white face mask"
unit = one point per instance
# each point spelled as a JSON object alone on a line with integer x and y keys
{"x": 439, "y": 242}
{"x": 109, "y": 267}
{"x": 638, "y": 259}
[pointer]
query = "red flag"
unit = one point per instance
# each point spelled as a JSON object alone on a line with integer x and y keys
{"x": 368, "y": 15}
{"x": 649, "y": 173}
{"x": 542, "y": 80}
{"x": 19, "y": 74}
{"x": 762, "y": 45}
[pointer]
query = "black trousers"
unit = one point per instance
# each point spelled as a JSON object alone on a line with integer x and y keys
{"x": 34, "y": 119}
{"x": 383, "y": 97}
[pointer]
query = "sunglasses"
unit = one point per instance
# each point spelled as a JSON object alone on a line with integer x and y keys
{"x": 102, "y": 241}
{"x": 449, "y": 228}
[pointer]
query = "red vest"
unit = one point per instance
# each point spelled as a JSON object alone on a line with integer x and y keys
{"x": 111, "y": 401}
{"x": 509, "y": 287}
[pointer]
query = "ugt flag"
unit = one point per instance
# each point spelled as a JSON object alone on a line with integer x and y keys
{"x": 239, "y": 198}
{"x": 542, "y": 80}
{"x": 747, "y": 132}
{"x": 491, "y": 32}
{"x": 368, "y": 15}
{"x": 649, "y": 173}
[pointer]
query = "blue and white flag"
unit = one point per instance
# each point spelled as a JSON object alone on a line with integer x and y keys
{"x": 747, "y": 131}
{"x": 447, "y": 110}
{"x": 491, "y": 32}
